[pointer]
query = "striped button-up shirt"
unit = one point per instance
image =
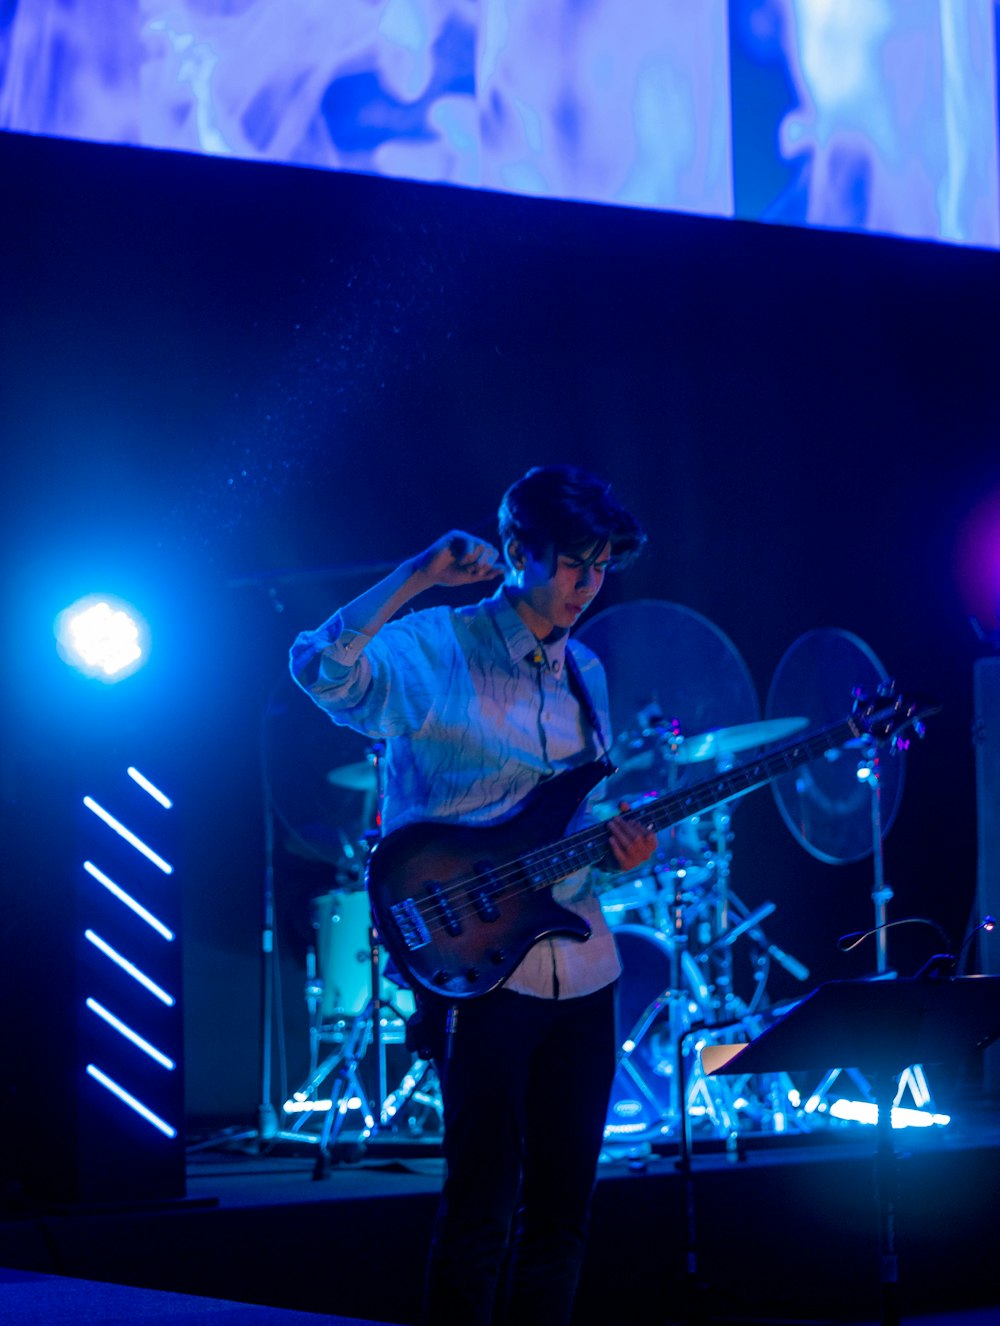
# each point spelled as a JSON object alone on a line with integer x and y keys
{"x": 475, "y": 713}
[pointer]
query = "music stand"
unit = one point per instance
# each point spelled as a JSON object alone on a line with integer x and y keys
{"x": 879, "y": 1027}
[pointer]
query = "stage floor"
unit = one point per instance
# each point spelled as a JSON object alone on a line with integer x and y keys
{"x": 787, "y": 1233}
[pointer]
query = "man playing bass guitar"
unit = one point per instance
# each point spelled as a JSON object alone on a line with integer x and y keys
{"x": 479, "y": 708}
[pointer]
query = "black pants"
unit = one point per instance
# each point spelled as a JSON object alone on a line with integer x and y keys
{"x": 525, "y": 1086}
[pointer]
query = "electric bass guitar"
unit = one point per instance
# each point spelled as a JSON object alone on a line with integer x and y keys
{"x": 457, "y": 907}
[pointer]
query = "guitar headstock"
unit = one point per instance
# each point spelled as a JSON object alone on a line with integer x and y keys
{"x": 888, "y": 714}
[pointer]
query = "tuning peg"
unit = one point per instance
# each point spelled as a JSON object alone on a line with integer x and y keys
{"x": 887, "y": 688}
{"x": 920, "y": 728}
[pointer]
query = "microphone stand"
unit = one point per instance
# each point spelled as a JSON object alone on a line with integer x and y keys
{"x": 868, "y": 772}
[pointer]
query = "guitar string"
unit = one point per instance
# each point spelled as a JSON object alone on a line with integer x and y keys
{"x": 436, "y": 919}
{"x": 432, "y": 910}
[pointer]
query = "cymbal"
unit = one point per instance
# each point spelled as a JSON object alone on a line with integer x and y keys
{"x": 662, "y": 655}
{"x": 359, "y": 777}
{"x": 664, "y": 659}
{"x": 732, "y": 740}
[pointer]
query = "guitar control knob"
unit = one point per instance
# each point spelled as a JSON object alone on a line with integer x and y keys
{"x": 496, "y": 956}
{"x": 440, "y": 977}
{"x": 472, "y": 975}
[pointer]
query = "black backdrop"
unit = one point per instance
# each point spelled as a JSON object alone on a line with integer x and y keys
{"x": 228, "y": 389}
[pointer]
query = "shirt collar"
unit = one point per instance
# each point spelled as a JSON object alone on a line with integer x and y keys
{"x": 520, "y": 640}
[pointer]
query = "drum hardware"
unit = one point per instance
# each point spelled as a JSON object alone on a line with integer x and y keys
{"x": 272, "y": 1121}
{"x": 660, "y": 1090}
{"x": 841, "y": 809}
{"x": 418, "y": 1087}
{"x": 351, "y": 1009}
{"x": 349, "y": 871}
{"x": 749, "y": 922}
{"x": 660, "y": 992}
{"x": 642, "y": 890}
{"x": 653, "y": 649}
{"x": 868, "y": 772}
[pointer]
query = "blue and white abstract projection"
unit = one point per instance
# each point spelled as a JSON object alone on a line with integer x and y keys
{"x": 885, "y": 115}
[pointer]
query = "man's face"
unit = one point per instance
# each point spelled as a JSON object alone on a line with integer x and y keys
{"x": 557, "y": 588}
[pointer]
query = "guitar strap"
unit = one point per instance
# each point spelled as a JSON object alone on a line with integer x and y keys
{"x": 579, "y": 689}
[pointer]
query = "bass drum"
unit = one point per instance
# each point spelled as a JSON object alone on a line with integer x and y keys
{"x": 642, "y": 1097}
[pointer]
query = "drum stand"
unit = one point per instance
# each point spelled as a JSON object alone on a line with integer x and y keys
{"x": 728, "y": 1017}
{"x": 363, "y": 1035}
{"x": 690, "y": 1006}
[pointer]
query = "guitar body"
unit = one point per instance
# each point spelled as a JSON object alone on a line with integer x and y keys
{"x": 458, "y": 907}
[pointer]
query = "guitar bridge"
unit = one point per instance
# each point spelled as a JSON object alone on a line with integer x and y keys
{"x": 412, "y": 928}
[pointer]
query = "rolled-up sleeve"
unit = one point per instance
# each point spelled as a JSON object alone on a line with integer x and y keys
{"x": 383, "y": 685}
{"x": 329, "y": 664}
{"x": 343, "y": 648}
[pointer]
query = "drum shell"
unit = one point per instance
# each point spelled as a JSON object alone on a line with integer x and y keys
{"x": 342, "y": 921}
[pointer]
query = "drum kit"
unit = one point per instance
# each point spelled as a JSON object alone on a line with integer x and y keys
{"x": 695, "y": 956}
{"x": 362, "y": 1081}
{"x": 678, "y": 925}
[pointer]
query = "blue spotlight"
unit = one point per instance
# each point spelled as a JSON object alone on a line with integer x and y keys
{"x": 102, "y": 637}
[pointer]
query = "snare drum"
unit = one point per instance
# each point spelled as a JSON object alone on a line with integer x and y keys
{"x": 343, "y": 958}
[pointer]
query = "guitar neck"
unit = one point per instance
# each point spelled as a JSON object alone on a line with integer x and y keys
{"x": 676, "y": 806}
{"x": 589, "y": 847}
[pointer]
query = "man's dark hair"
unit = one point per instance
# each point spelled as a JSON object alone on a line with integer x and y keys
{"x": 570, "y": 510}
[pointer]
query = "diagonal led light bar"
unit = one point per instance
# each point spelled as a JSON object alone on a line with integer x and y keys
{"x": 128, "y": 835}
{"x": 125, "y": 1030}
{"x": 128, "y": 900}
{"x": 142, "y": 1110}
{"x": 149, "y": 787}
{"x": 130, "y": 968}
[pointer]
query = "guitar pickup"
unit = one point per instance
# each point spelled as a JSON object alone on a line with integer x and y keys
{"x": 486, "y": 888}
{"x": 412, "y": 928}
{"x": 448, "y": 917}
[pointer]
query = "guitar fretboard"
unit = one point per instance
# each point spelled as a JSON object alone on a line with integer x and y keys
{"x": 589, "y": 847}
